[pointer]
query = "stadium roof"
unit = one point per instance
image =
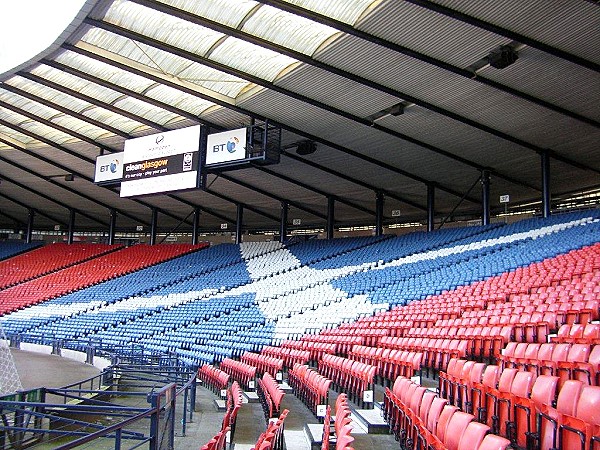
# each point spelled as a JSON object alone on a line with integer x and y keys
{"x": 397, "y": 95}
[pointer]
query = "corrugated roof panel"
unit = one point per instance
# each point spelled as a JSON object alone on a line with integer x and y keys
{"x": 103, "y": 71}
{"x": 251, "y": 58}
{"x": 50, "y": 114}
{"x": 168, "y": 29}
{"x": 552, "y": 79}
{"x": 178, "y": 99}
{"x": 348, "y": 11}
{"x": 53, "y": 95}
{"x": 430, "y": 33}
{"x": 289, "y": 30}
{"x": 163, "y": 62}
{"x": 227, "y": 12}
{"x": 13, "y": 135}
{"x": 464, "y": 97}
{"x": 336, "y": 91}
{"x": 120, "y": 122}
{"x": 569, "y": 25}
{"x": 34, "y": 127}
{"x": 147, "y": 111}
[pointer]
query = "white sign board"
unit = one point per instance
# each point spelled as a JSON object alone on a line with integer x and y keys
{"x": 296, "y": 221}
{"x": 505, "y": 198}
{"x": 109, "y": 168}
{"x": 226, "y": 146}
{"x": 162, "y": 162}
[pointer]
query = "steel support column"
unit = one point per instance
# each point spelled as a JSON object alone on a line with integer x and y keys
{"x": 283, "y": 222}
{"x": 430, "y": 206}
{"x": 485, "y": 197}
{"x": 112, "y": 225}
{"x": 239, "y": 220}
{"x": 379, "y": 201}
{"x": 71, "y": 226}
{"x": 546, "y": 197}
{"x": 195, "y": 225}
{"x": 330, "y": 216}
{"x": 153, "y": 226}
{"x": 30, "y": 217}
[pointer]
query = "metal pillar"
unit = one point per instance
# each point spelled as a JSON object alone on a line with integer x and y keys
{"x": 195, "y": 225}
{"x": 485, "y": 197}
{"x": 153, "y": 226}
{"x": 430, "y": 206}
{"x": 239, "y": 219}
{"x": 283, "y": 221}
{"x": 112, "y": 226}
{"x": 379, "y": 200}
{"x": 330, "y": 216}
{"x": 546, "y": 197}
{"x": 30, "y": 218}
{"x": 71, "y": 226}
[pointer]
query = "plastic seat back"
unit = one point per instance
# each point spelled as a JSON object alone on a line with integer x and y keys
{"x": 456, "y": 428}
{"x": 473, "y": 436}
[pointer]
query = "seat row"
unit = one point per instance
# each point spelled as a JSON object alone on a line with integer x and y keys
{"x": 240, "y": 372}
{"x": 390, "y": 363}
{"x": 342, "y": 428}
{"x": 534, "y": 412}
{"x": 289, "y": 356}
{"x": 578, "y": 333}
{"x": 309, "y": 386}
{"x": 272, "y": 438}
{"x": 270, "y": 395}
{"x": 213, "y": 378}
{"x": 263, "y": 363}
{"x": 316, "y": 349}
{"x": 421, "y": 419}
{"x": 567, "y": 361}
{"x": 233, "y": 404}
{"x": 353, "y": 377}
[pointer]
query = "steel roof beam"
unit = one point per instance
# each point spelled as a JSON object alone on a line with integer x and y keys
{"x": 471, "y": 20}
{"x": 269, "y": 85}
{"x": 53, "y": 200}
{"x": 274, "y": 196}
{"x": 91, "y": 161}
{"x": 245, "y": 205}
{"x": 315, "y": 190}
{"x": 283, "y": 126}
{"x": 349, "y": 29}
{"x": 37, "y": 211}
{"x": 345, "y": 177}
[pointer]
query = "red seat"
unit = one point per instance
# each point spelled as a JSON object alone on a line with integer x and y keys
{"x": 478, "y": 393}
{"x": 457, "y": 425}
{"x": 548, "y": 418}
{"x": 487, "y": 414}
{"x": 589, "y": 371}
{"x": 442, "y": 424}
{"x": 525, "y": 409}
{"x": 473, "y": 436}
{"x": 493, "y": 442}
{"x": 576, "y": 431}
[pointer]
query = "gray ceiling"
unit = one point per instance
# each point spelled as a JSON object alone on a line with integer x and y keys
{"x": 325, "y": 71}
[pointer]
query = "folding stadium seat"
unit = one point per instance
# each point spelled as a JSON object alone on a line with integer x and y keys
{"x": 525, "y": 409}
{"x": 488, "y": 414}
{"x": 493, "y": 442}
{"x": 578, "y": 353}
{"x": 473, "y": 436}
{"x": 457, "y": 426}
{"x": 544, "y": 354}
{"x": 465, "y": 385}
{"x": 548, "y": 417}
{"x": 575, "y": 432}
{"x": 489, "y": 380}
{"x": 521, "y": 386}
{"x": 441, "y": 426}
{"x": 589, "y": 372}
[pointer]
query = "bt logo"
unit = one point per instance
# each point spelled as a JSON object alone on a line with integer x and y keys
{"x": 113, "y": 166}
{"x": 230, "y": 145}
